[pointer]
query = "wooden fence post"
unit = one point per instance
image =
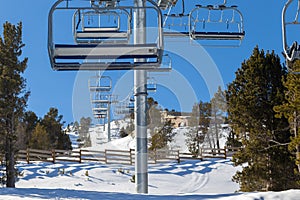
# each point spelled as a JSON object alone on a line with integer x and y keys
{"x": 80, "y": 155}
{"x": 105, "y": 156}
{"x": 53, "y": 155}
{"x": 178, "y": 158}
{"x": 201, "y": 154}
{"x": 27, "y": 156}
{"x": 130, "y": 156}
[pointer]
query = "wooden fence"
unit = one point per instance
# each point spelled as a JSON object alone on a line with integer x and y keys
{"x": 205, "y": 153}
{"x": 110, "y": 156}
{"x": 211, "y": 153}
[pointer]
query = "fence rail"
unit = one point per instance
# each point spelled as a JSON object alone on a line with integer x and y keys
{"x": 110, "y": 156}
{"x": 211, "y": 153}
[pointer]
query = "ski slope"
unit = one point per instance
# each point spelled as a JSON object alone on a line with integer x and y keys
{"x": 188, "y": 180}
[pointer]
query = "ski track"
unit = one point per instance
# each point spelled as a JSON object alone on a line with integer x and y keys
{"x": 195, "y": 183}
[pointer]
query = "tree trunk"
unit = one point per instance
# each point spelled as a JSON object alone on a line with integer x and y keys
{"x": 10, "y": 163}
{"x": 10, "y": 154}
{"x": 298, "y": 157}
{"x": 209, "y": 140}
{"x": 217, "y": 132}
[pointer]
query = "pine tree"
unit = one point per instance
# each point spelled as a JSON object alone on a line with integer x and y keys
{"x": 54, "y": 127}
{"x": 13, "y": 97}
{"x": 26, "y": 128}
{"x": 162, "y": 136}
{"x": 218, "y": 109}
{"x": 194, "y": 138}
{"x": 76, "y": 126}
{"x": 154, "y": 115}
{"x": 204, "y": 122}
{"x": 291, "y": 109}
{"x": 40, "y": 138}
{"x": 251, "y": 97}
{"x": 199, "y": 126}
{"x": 194, "y": 118}
{"x": 85, "y": 124}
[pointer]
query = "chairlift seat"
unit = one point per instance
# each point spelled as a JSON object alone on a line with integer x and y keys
{"x": 100, "y": 88}
{"x": 151, "y": 89}
{"x": 100, "y": 101}
{"x": 99, "y": 29}
{"x": 99, "y": 109}
{"x": 99, "y": 116}
{"x": 103, "y": 51}
{"x": 101, "y": 35}
{"x": 176, "y": 34}
{"x": 217, "y": 35}
{"x": 75, "y": 66}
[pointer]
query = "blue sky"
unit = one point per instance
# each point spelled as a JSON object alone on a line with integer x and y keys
{"x": 262, "y": 20}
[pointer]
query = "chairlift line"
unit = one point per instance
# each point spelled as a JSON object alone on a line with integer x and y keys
{"x": 99, "y": 45}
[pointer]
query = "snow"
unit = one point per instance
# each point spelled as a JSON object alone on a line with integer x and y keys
{"x": 190, "y": 179}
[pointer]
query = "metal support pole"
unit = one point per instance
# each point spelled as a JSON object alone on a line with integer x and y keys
{"x": 108, "y": 119}
{"x": 140, "y": 107}
{"x": 103, "y": 124}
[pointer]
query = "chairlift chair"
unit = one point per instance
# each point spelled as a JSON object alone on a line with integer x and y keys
{"x": 130, "y": 107}
{"x": 177, "y": 24}
{"x": 100, "y": 110}
{"x": 230, "y": 19}
{"x": 94, "y": 26}
{"x": 291, "y": 52}
{"x": 131, "y": 99}
{"x": 100, "y": 101}
{"x": 103, "y": 56}
{"x": 151, "y": 85}
{"x": 164, "y": 4}
{"x": 99, "y": 116}
{"x": 100, "y": 84}
{"x": 122, "y": 108}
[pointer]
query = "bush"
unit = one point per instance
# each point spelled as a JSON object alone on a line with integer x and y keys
{"x": 123, "y": 133}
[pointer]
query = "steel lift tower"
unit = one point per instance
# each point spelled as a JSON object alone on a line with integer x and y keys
{"x": 140, "y": 93}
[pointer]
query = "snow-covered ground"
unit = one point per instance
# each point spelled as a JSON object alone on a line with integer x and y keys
{"x": 190, "y": 179}
{"x": 209, "y": 179}
{"x": 99, "y": 138}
